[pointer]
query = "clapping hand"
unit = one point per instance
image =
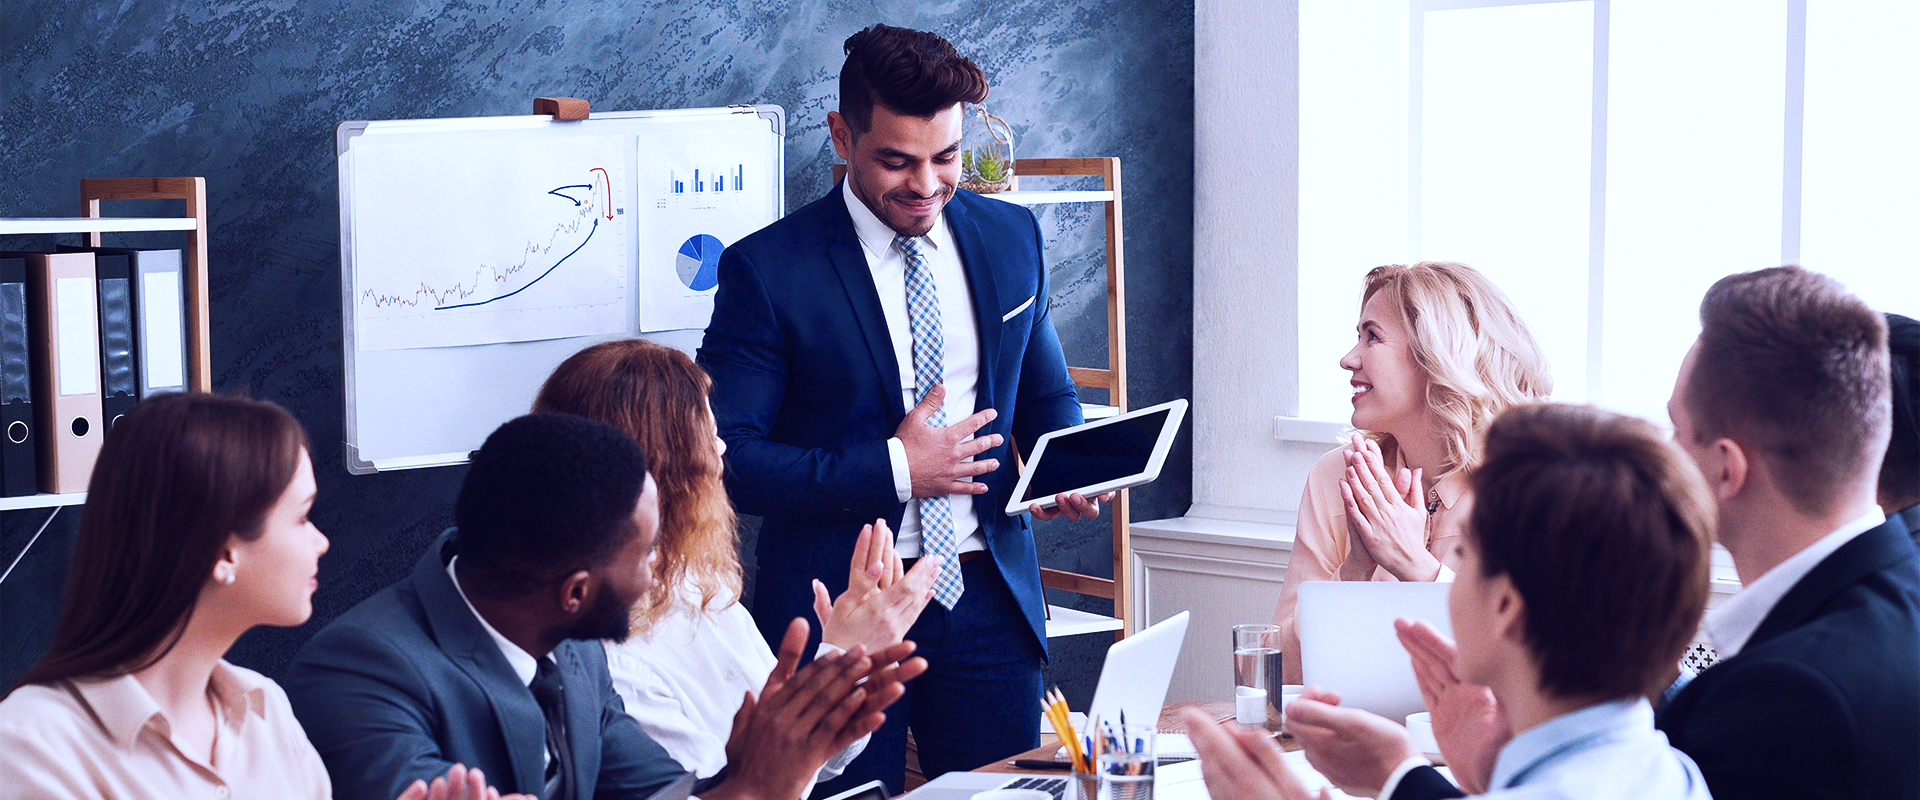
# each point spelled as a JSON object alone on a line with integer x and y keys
{"x": 459, "y": 783}
{"x": 1386, "y": 519}
{"x": 805, "y": 715}
{"x": 880, "y": 602}
{"x": 1467, "y": 721}
{"x": 1243, "y": 762}
{"x": 1356, "y": 750}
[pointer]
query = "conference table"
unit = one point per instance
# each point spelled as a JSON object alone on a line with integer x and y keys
{"x": 1177, "y": 781}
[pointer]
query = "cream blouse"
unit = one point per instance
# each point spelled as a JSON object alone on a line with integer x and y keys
{"x": 108, "y": 738}
{"x": 1321, "y": 542}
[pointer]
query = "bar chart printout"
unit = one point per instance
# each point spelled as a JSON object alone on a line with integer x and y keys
{"x": 701, "y": 189}
{"x": 488, "y": 240}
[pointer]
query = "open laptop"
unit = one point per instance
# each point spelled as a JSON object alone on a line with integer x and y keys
{"x": 1135, "y": 678}
{"x": 1347, "y": 642}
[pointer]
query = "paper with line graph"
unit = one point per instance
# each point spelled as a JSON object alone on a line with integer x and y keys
{"x": 503, "y": 238}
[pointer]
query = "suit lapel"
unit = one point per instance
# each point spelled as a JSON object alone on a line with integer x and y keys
{"x": 856, "y": 278}
{"x": 977, "y": 258}
{"x": 583, "y": 715}
{"x": 1868, "y": 553}
{"x": 468, "y": 645}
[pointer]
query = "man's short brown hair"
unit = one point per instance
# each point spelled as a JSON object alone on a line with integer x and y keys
{"x": 910, "y": 72}
{"x": 1604, "y": 528}
{"x": 1793, "y": 368}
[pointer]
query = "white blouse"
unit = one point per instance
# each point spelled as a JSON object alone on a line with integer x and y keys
{"x": 683, "y": 679}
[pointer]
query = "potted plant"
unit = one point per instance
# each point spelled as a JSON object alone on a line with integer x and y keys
{"x": 989, "y": 168}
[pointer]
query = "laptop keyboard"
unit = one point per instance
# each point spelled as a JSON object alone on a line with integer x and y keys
{"x": 1053, "y": 786}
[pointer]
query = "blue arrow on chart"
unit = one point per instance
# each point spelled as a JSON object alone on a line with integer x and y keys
{"x": 556, "y": 265}
{"x": 561, "y": 192}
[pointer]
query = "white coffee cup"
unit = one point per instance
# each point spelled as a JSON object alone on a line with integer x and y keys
{"x": 1420, "y": 727}
{"x": 1289, "y": 693}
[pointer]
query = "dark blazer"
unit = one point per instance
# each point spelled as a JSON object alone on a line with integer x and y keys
{"x": 408, "y": 683}
{"x": 1824, "y": 699}
{"x": 807, "y": 390}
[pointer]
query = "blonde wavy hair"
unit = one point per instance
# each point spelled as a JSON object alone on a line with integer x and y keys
{"x": 658, "y": 396}
{"x": 1478, "y": 356}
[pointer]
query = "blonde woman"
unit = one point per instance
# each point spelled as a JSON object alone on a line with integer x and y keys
{"x": 694, "y": 650}
{"x": 1440, "y": 353}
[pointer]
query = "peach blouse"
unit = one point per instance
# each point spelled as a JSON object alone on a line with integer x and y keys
{"x": 108, "y": 738}
{"x": 1320, "y": 541}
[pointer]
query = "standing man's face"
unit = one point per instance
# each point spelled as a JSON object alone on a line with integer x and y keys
{"x": 904, "y": 168}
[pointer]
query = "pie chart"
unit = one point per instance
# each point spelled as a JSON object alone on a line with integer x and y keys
{"x": 698, "y": 262}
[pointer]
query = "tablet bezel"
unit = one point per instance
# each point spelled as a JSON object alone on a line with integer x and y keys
{"x": 1162, "y": 443}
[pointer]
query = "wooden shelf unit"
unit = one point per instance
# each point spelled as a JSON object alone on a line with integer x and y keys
{"x": 193, "y": 259}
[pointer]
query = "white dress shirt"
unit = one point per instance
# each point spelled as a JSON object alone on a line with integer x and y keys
{"x": 682, "y": 680}
{"x": 1733, "y": 623}
{"x": 960, "y": 357}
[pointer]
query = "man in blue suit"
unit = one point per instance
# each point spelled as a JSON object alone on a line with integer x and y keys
{"x": 873, "y": 354}
{"x": 487, "y": 655}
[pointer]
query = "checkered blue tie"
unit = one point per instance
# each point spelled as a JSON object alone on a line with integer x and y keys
{"x": 923, "y": 316}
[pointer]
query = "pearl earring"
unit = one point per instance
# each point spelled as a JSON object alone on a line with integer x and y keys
{"x": 226, "y": 577}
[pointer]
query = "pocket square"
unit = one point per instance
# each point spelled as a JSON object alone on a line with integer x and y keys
{"x": 1016, "y": 312}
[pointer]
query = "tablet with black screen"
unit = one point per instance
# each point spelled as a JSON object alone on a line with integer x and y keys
{"x": 1100, "y": 456}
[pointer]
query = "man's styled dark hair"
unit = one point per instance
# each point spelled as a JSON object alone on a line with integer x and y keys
{"x": 547, "y": 494}
{"x": 910, "y": 72}
{"x": 1900, "y": 472}
{"x": 1795, "y": 369}
{"x": 1604, "y": 528}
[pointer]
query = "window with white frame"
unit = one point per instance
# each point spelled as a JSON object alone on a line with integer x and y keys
{"x": 1603, "y": 162}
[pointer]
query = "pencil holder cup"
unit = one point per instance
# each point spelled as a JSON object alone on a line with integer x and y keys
{"x": 1083, "y": 785}
{"x": 1126, "y": 762}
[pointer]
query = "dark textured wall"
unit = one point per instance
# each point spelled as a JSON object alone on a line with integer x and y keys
{"x": 246, "y": 93}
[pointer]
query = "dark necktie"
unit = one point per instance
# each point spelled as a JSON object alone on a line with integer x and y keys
{"x": 550, "y": 692}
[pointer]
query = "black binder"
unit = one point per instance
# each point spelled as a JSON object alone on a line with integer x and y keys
{"x": 19, "y": 467}
{"x": 120, "y": 376}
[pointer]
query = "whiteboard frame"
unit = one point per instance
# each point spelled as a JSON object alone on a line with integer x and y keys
{"x": 344, "y": 135}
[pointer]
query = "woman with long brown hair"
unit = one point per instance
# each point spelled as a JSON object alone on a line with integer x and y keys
{"x": 694, "y": 650}
{"x": 195, "y": 530}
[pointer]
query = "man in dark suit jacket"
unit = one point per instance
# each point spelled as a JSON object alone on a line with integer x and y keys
{"x": 834, "y": 414}
{"x": 1900, "y": 472}
{"x": 1783, "y": 404}
{"x": 487, "y": 655}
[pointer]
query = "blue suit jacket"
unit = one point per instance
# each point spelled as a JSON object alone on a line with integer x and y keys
{"x": 408, "y": 683}
{"x": 1824, "y": 699}
{"x": 806, "y": 389}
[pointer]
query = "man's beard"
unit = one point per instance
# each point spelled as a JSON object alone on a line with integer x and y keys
{"x": 607, "y": 619}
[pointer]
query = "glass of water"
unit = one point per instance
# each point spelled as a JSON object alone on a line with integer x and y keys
{"x": 1256, "y": 675}
{"x": 1126, "y": 762}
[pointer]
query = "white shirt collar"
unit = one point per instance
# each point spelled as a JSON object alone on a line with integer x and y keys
{"x": 1733, "y": 623}
{"x": 523, "y": 663}
{"x": 875, "y": 236}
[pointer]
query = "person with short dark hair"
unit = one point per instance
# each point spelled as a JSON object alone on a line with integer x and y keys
{"x": 878, "y": 353}
{"x": 1583, "y": 574}
{"x": 488, "y": 654}
{"x": 1900, "y": 472}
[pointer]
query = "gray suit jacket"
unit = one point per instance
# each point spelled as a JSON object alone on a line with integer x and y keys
{"x": 408, "y": 683}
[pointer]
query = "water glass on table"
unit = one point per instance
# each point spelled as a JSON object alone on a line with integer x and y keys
{"x": 1126, "y": 762}
{"x": 1256, "y": 675}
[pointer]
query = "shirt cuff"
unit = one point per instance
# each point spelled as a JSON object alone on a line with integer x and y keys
{"x": 1445, "y": 576}
{"x": 1393, "y": 778}
{"x": 902, "y": 477}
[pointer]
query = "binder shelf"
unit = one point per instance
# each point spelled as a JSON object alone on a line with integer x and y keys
{"x": 192, "y": 269}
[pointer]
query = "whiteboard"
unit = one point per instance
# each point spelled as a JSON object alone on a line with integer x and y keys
{"x": 477, "y": 254}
